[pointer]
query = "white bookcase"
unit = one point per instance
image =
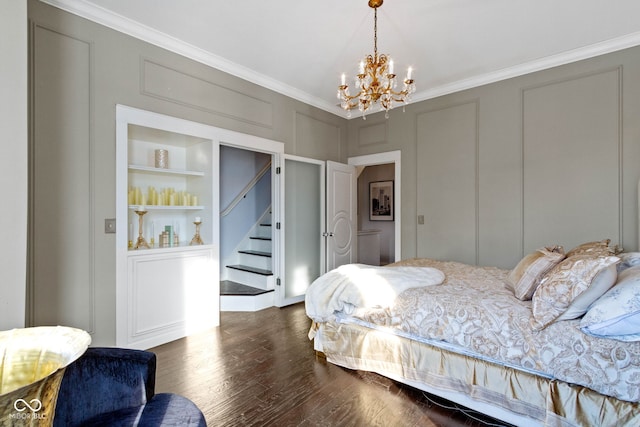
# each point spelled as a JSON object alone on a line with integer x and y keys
{"x": 171, "y": 288}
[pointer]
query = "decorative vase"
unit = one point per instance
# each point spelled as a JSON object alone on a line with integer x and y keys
{"x": 32, "y": 364}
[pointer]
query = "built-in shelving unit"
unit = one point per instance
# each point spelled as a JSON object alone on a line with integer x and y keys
{"x": 169, "y": 289}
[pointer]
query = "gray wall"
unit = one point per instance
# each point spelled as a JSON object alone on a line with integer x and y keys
{"x": 81, "y": 70}
{"x": 552, "y": 157}
{"x": 13, "y": 151}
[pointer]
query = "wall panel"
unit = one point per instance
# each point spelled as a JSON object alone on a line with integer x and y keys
{"x": 183, "y": 88}
{"x": 447, "y": 183}
{"x": 571, "y": 161}
{"x": 61, "y": 241}
{"x": 317, "y": 139}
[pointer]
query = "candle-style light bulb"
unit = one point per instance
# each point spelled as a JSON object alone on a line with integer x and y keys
{"x": 409, "y": 73}
{"x": 391, "y": 67}
{"x": 343, "y": 79}
{"x": 361, "y": 67}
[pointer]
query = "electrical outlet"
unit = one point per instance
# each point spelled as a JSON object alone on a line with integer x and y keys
{"x": 421, "y": 219}
{"x": 109, "y": 225}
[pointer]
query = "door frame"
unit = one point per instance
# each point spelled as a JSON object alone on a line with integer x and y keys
{"x": 394, "y": 157}
{"x": 276, "y": 150}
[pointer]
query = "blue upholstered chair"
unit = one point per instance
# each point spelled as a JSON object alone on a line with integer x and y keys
{"x": 116, "y": 387}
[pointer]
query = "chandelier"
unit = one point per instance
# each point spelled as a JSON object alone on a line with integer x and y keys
{"x": 375, "y": 81}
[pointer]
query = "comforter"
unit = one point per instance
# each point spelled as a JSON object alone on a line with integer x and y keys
{"x": 473, "y": 313}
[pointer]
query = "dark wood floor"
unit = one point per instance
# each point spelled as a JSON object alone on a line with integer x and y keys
{"x": 260, "y": 369}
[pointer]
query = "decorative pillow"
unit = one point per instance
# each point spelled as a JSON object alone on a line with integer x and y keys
{"x": 616, "y": 314}
{"x": 600, "y": 248}
{"x": 628, "y": 260}
{"x": 525, "y": 277}
{"x": 565, "y": 282}
{"x": 603, "y": 281}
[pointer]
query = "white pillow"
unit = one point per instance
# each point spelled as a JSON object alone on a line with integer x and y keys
{"x": 628, "y": 260}
{"x": 616, "y": 314}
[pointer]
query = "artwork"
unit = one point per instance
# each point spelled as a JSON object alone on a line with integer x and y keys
{"x": 381, "y": 201}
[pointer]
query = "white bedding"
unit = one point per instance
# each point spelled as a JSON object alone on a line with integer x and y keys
{"x": 474, "y": 312}
{"x": 359, "y": 286}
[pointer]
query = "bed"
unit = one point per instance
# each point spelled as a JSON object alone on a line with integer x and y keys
{"x": 555, "y": 341}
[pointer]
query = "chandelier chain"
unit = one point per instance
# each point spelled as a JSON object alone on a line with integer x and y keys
{"x": 375, "y": 33}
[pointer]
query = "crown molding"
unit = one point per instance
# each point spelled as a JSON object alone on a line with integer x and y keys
{"x": 122, "y": 24}
{"x": 591, "y": 51}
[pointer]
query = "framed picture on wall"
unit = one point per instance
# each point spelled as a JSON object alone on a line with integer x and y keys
{"x": 381, "y": 201}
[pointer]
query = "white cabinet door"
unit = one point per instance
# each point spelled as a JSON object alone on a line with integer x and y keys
{"x": 171, "y": 294}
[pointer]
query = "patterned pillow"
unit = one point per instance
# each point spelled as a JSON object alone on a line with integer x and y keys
{"x": 628, "y": 260}
{"x": 600, "y": 248}
{"x": 525, "y": 277}
{"x": 562, "y": 285}
{"x": 616, "y": 314}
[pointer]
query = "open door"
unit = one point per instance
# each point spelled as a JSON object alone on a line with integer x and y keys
{"x": 342, "y": 199}
{"x": 311, "y": 246}
{"x": 304, "y": 217}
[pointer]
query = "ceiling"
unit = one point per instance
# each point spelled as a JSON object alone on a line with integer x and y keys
{"x": 301, "y": 47}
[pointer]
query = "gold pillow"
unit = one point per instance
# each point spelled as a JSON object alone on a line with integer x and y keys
{"x": 525, "y": 277}
{"x": 565, "y": 282}
{"x": 600, "y": 248}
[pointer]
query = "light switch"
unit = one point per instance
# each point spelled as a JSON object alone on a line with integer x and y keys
{"x": 421, "y": 219}
{"x": 109, "y": 225}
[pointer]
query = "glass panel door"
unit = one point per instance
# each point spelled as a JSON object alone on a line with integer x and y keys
{"x": 304, "y": 245}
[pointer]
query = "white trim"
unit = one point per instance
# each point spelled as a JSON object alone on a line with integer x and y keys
{"x": 132, "y": 28}
{"x": 380, "y": 159}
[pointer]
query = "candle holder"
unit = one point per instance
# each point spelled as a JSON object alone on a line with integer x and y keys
{"x": 141, "y": 242}
{"x": 196, "y": 240}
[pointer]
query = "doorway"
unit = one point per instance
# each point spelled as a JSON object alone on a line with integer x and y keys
{"x": 249, "y": 201}
{"x": 374, "y": 169}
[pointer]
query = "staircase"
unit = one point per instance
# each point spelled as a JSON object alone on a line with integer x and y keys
{"x": 249, "y": 284}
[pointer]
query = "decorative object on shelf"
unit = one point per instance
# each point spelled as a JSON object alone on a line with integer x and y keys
{"x": 375, "y": 79}
{"x": 141, "y": 242}
{"x": 130, "y": 243}
{"x": 162, "y": 159}
{"x": 165, "y": 197}
{"x": 196, "y": 240}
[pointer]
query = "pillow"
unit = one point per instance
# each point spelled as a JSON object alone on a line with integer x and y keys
{"x": 562, "y": 285}
{"x": 628, "y": 260}
{"x": 616, "y": 314}
{"x": 603, "y": 281}
{"x": 600, "y": 248}
{"x": 525, "y": 277}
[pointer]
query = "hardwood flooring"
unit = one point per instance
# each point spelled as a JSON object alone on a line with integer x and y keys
{"x": 260, "y": 369}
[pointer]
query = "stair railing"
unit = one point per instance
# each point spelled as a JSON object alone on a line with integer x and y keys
{"x": 246, "y": 189}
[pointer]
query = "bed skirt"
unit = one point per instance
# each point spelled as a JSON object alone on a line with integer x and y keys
{"x": 514, "y": 396}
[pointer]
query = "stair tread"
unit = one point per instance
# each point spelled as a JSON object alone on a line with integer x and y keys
{"x": 257, "y": 253}
{"x": 260, "y": 238}
{"x": 228, "y": 288}
{"x": 260, "y": 271}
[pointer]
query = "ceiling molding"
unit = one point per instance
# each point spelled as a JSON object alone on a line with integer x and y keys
{"x": 545, "y": 63}
{"x": 134, "y": 29}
